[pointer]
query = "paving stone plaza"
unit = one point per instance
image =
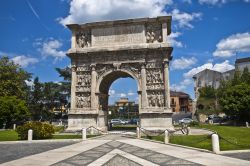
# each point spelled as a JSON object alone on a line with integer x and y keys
{"x": 110, "y": 150}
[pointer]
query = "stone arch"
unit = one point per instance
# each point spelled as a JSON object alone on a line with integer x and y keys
{"x": 106, "y": 79}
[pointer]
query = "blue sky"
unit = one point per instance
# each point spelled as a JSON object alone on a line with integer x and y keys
{"x": 205, "y": 34}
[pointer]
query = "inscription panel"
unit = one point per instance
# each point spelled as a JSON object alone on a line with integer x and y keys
{"x": 118, "y": 35}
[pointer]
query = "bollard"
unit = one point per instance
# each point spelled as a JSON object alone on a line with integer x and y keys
{"x": 92, "y": 131}
{"x": 215, "y": 143}
{"x": 188, "y": 130}
{"x": 166, "y": 140}
{"x": 14, "y": 126}
{"x": 30, "y": 135}
{"x": 247, "y": 125}
{"x": 138, "y": 132}
{"x": 84, "y": 133}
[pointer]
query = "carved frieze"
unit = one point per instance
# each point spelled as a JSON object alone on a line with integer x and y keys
{"x": 83, "y": 39}
{"x": 154, "y": 76}
{"x": 155, "y": 86}
{"x": 83, "y": 80}
{"x": 155, "y": 99}
{"x": 102, "y": 68}
{"x": 82, "y": 100}
{"x": 154, "y": 65}
{"x": 153, "y": 33}
{"x": 83, "y": 68}
{"x": 132, "y": 67}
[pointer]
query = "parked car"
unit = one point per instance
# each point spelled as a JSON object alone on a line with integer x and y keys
{"x": 125, "y": 121}
{"x": 134, "y": 121}
{"x": 116, "y": 121}
{"x": 185, "y": 121}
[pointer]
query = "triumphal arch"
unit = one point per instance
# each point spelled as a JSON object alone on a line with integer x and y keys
{"x": 102, "y": 52}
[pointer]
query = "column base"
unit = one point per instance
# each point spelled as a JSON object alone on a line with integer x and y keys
{"x": 156, "y": 121}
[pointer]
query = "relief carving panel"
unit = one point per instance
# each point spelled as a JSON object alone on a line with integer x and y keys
{"x": 82, "y": 100}
{"x": 155, "y": 98}
{"x": 153, "y": 33}
{"x": 83, "y": 39}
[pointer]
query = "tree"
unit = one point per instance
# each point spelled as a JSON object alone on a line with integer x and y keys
{"x": 234, "y": 96}
{"x": 12, "y": 79}
{"x": 36, "y": 100}
{"x": 235, "y": 101}
{"x": 12, "y": 110}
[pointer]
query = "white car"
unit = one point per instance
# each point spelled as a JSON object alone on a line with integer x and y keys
{"x": 116, "y": 121}
{"x": 185, "y": 120}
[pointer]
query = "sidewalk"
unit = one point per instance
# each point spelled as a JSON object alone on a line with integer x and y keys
{"x": 116, "y": 150}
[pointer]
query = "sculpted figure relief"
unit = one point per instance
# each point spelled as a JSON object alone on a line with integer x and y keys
{"x": 84, "y": 80}
{"x": 156, "y": 99}
{"x": 153, "y": 33}
{"x": 154, "y": 76}
{"x": 82, "y": 100}
{"x": 83, "y": 39}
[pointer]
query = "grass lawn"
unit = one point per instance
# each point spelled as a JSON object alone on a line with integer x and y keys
{"x": 8, "y": 135}
{"x": 124, "y": 127}
{"x": 11, "y": 135}
{"x": 237, "y": 135}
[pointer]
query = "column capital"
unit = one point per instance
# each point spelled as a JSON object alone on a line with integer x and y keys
{"x": 166, "y": 63}
{"x": 73, "y": 68}
{"x": 143, "y": 65}
{"x": 93, "y": 66}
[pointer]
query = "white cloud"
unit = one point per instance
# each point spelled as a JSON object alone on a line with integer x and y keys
{"x": 24, "y": 61}
{"x": 111, "y": 92}
{"x": 235, "y": 43}
{"x": 29, "y": 83}
{"x": 130, "y": 93}
{"x": 123, "y": 95}
{"x": 184, "y": 18}
{"x": 172, "y": 39}
{"x": 82, "y": 11}
{"x": 220, "y": 67}
{"x": 183, "y": 63}
{"x": 51, "y": 48}
{"x": 182, "y": 86}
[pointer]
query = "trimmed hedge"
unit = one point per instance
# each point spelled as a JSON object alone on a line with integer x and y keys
{"x": 41, "y": 130}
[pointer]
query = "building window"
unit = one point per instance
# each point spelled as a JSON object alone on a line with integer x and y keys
{"x": 172, "y": 101}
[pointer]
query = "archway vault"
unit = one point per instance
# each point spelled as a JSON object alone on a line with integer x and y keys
{"x": 105, "y": 51}
{"x": 105, "y": 81}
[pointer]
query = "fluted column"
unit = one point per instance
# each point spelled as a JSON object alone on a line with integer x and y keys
{"x": 93, "y": 87}
{"x": 166, "y": 84}
{"x": 73, "y": 39}
{"x": 73, "y": 87}
{"x": 144, "y": 100}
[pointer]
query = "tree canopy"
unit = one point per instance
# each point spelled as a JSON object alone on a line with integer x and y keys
{"x": 234, "y": 96}
{"x": 12, "y": 79}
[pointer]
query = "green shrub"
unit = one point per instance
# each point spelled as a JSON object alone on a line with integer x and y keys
{"x": 59, "y": 129}
{"x": 40, "y": 130}
{"x": 194, "y": 123}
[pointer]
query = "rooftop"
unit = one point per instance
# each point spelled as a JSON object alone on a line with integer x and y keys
{"x": 241, "y": 60}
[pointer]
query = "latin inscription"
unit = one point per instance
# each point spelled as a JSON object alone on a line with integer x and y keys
{"x": 118, "y": 35}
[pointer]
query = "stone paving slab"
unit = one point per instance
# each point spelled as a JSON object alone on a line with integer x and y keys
{"x": 191, "y": 155}
{"x": 124, "y": 151}
{"x": 12, "y": 151}
{"x": 53, "y": 156}
{"x": 240, "y": 155}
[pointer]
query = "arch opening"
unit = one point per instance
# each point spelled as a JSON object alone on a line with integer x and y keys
{"x": 119, "y": 99}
